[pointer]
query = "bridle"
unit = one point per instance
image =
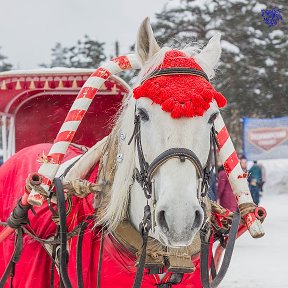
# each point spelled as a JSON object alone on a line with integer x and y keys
{"x": 147, "y": 171}
{"x": 144, "y": 176}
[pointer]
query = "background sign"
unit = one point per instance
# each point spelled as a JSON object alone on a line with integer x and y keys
{"x": 265, "y": 138}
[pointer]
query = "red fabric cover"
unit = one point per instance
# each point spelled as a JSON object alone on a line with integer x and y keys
{"x": 181, "y": 95}
{"x": 33, "y": 269}
{"x": 225, "y": 192}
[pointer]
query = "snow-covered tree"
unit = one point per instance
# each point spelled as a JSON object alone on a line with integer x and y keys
{"x": 59, "y": 56}
{"x": 4, "y": 65}
{"x": 87, "y": 53}
{"x": 253, "y": 72}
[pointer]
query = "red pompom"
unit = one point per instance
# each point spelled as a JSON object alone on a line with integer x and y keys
{"x": 188, "y": 109}
{"x": 220, "y": 99}
{"x": 199, "y": 111}
{"x": 177, "y": 111}
{"x": 181, "y": 95}
{"x": 138, "y": 92}
{"x": 208, "y": 95}
{"x": 168, "y": 105}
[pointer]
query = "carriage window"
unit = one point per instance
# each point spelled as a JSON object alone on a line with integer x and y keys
{"x": 7, "y": 136}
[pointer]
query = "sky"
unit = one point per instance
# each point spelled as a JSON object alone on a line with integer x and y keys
{"x": 30, "y": 28}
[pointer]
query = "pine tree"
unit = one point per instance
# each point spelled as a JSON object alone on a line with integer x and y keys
{"x": 253, "y": 73}
{"x": 87, "y": 53}
{"x": 59, "y": 56}
{"x": 4, "y": 65}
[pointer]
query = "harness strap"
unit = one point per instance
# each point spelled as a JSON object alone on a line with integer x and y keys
{"x": 100, "y": 259}
{"x": 14, "y": 259}
{"x": 204, "y": 254}
{"x": 53, "y": 257}
{"x": 176, "y": 71}
{"x": 140, "y": 270}
{"x": 175, "y": 153}
{"x": 144, "y": 228}
{"x": 62, "y": 233}
{"x": 79, "y": 255}
{"x": 175, "y": 278}
{"x": 19, "y": 216}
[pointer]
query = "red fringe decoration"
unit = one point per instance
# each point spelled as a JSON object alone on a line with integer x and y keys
{"x": 181, "y": 95}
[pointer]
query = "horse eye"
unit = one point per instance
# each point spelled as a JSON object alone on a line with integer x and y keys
{"x": 143, "y": 114}
{"x": 213, "y": 117}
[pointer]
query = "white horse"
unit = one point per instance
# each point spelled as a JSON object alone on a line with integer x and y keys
{"x": 178, "y": 214}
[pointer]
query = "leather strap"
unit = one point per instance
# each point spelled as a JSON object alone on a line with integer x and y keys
{"x": 62, "y": 233}
{"x": 204, "y": 254}
{"x": 79, "y": 255}
{"x": 140, "y": 270}
{"x": 14, "y": 259}
{"x": 100, "y": 259}
{"x": 181, "y": 153}
{"x": 176, "y": 71}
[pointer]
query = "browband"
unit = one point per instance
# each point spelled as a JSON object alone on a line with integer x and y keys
{"x": 176, "y": 71}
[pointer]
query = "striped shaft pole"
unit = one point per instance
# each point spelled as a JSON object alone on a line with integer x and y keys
{"x": 237, "y": 178}
{"x": 74, "y": 117}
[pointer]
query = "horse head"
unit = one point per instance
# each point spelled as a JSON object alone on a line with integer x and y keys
{"x": 169, "y": 117}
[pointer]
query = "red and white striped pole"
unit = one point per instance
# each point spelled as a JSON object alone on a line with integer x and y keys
{"x": 238, "y": 181}
{"x": 73, "y": 119}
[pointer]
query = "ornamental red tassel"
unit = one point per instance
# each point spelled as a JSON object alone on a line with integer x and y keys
{"x": 183, "y": 95}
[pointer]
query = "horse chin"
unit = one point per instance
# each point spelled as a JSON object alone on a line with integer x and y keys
{"x": 174, "y": 242}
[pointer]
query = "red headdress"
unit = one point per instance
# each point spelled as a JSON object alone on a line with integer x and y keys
{"x": 183, "y": 95}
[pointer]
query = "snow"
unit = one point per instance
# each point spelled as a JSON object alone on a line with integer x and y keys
{"x": 269, "y": 62}
{"x": 261, "y": 70}
{"x": 262, "y": 263}
{"x": 258, "y": 7}
{"x": 276, "y": 33}
{"x": 257, "y": 33}
{"x": 230, "y": 47}
{"x": 259, "y": 42}
{"x": 277, "y": 177}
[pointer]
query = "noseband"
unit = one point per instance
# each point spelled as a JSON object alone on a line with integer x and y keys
{"x": 147, "y": 171}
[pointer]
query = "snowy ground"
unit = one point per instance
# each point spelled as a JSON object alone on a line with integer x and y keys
{"x": 263, "y": 263}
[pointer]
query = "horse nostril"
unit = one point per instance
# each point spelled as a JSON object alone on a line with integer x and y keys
{"x": 197, "y": 220}
{"x": 162, "y": 221}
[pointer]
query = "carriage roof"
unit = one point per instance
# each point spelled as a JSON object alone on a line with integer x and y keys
{"x": 34, "y": 103}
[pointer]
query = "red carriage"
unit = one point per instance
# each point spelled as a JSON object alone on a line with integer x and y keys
{"x": 23, "y": 94}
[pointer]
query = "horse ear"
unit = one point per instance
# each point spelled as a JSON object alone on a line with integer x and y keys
{"x": 210, "y": 55}
{"x": 146, "y": 45}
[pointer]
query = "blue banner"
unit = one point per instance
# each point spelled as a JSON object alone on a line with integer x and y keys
{"x": 265, "y": 138}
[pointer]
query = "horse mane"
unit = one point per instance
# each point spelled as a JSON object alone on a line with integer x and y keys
{"x": 114, "y": 208}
